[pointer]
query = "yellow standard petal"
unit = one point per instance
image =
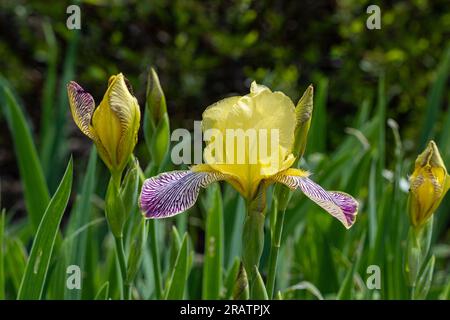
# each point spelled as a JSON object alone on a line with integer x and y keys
{"x": 116, "y": 123}
{"x": 251, "y": 137}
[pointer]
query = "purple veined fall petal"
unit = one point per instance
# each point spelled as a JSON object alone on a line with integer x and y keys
{"x": 82, "y": 106}
{"x": 340, "y": 205}
{"x": 171, "y": 193}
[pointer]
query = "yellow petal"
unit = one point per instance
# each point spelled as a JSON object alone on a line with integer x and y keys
{"x": 125, "y": 105}
{"x": 116, "y": 122}
{"x": 428, "y": 185}
{"x": 107, "y": 129}
{"x": 257, "y": 88}
{"x": 122, "y": 102}
{"x": 246, "y": 124}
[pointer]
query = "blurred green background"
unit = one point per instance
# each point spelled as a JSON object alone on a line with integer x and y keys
{"x": 206, "y": 50}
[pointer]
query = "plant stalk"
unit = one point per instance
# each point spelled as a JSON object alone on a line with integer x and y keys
{"x": 274, "y": 250}
{"x": 126, "y": 290}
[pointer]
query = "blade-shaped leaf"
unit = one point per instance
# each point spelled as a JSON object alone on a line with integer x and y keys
{"x": 15, "y": 262}
{"x": 103, "y": 292}
{"x": 304, "y": 285}
{"x": 346, "y": 289}
{"x": 79, "y": 218}
{"x": 32, "y": 177}
{"x": 213, "y": 256}
{"x": 435, "y": 100}
{"x": 424, "y": 283}
{"x": 33, "y": 281}
{"x": 259, "y": 291}
{"x": 177, "y": 283}
{"x": 231, "y": 278}
{"x": 2, "y": 255}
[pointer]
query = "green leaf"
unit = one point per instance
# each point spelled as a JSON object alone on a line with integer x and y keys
{"x": 279, "y": 296}
{"x": 32, "y": 177}
{"x": 259, "y": 291}
{"x": 241, "y": 290}
{"x": 213, "y": 256}
{"x": 178, "y": 279}
{"x": 154, "y": 249}
{"x": 435, "y": 100}
{"x": 346, "y": 289}
{"x": 231, "y": 279}
{"x": 15, "y": 262}
{"x": 381, "y": 113}
{"x": 103, "y": 292}
{"x": 234, "y": 206}
{"x": 304, "y": 285}
{"x": 174, "y": 249}
{"x": 445, "y": 133}
{"x": 372, "y": 210}
{"x": 56, "y": 283}
{"x": 136, "y": 250}
{"x": 48, "y": 96}
{"x": 2, "y": 255}
{"x": 424, "y": 283}
{"x": 79, "y": 218}
{"x": 317, "y": 133}
{"x": 445, "y": 294}
{"x": 33, "y": 281}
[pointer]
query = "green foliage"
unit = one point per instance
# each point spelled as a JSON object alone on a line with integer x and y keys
{"x": 2, "y": 255}
{"x": 363, "y": 80}
{"x": 177, "y": 283}
{"x": 35, "y": 187}
{"x": 33, "y": 280}
{"x": 213, "y": 256}
{"x": 80, "y": 218}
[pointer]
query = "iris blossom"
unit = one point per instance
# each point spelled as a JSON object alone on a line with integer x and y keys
{"x": 429, "y": 183}
{"x": 173, "y": 192}
{"x": 113, "y": 125}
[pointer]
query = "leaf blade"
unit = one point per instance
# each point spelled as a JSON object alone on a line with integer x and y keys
{"x": 36, "y": 270}
{"x": 35, "y": 188}
{"x": 213, "y": 257}
{"x": 175, "y": 289}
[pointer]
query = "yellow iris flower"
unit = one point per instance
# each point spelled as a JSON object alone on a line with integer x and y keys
{"x": 428, "y": 185}
{"x": 260, "y": 111}
{"x": 113, "y": 125}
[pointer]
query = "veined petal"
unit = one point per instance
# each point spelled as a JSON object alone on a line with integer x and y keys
{"x": 126, "y": 107}
{"x": 115, "y": 123}
{"x": 82, "y": 106}
{"x": 122, "y": 102}
{"x": 173, "y": 192}
{"x": 339, "y": 204}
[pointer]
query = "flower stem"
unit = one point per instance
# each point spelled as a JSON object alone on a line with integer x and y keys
{"x": 126, "y": 292}
{"x": 155, "y": 258}
{"x": 253, "y": 235}
{"x": 274, "y": 249}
